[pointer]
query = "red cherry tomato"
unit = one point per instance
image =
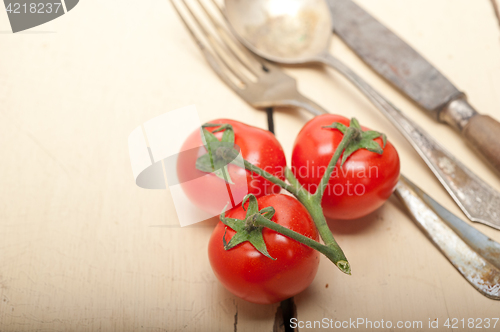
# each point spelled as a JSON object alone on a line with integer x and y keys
{"x": 209, "y": 192}
{"x": 364, "y": 182}
{"x": 254, "y": 277}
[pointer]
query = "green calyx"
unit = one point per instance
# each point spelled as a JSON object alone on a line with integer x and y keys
{"x": 250, "y": 229}
{"x": 360, "y": 139}
{"x": 247, "y": 230}
{"x": 219, "y": 153}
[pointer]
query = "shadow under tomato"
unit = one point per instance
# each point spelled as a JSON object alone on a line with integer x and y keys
{"x": 359, "y": 225}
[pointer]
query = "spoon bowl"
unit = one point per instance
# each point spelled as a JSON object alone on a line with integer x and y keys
{"x": 285, "y": 31}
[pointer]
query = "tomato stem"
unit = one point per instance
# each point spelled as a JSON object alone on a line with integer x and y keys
{"x": 313, "y": 205}
{"x": 354, "y": 139}
{"x": 259, "y": 171}
{"x": 333, "y": 253}
{"x": 351, "y": 141}
{"x": 349, "y": 135}
{"x": 292, "y": 179}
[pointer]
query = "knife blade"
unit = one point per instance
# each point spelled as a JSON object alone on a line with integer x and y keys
{"x": 411, "y": 73}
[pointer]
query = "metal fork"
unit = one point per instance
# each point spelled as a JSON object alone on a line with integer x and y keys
{"x": 264, "y": 85}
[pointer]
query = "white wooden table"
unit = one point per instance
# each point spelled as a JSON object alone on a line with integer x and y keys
{"x": 79, "y": 249}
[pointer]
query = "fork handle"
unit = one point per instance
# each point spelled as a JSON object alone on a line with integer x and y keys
{"x": 303, "y": 102}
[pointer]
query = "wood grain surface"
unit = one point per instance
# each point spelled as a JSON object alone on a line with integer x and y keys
{"x": 82, "y": 248}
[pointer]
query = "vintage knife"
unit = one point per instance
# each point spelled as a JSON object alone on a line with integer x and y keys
{"x": 395, "y": 60}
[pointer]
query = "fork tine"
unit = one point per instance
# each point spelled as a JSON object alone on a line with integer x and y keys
{"x": 191, "y": 31}
{"x": 241, "y": 53}
{"x": 209, "y": 56}
{"x": 219, "y": 48}
{"x": 272, "y": 88}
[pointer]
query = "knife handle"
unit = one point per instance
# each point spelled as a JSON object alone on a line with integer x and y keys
{"x": 482, "y": 131}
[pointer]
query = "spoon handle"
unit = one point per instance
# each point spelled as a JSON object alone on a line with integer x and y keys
{"x": 439, "y": 228}
{"x": 479, "y": 201}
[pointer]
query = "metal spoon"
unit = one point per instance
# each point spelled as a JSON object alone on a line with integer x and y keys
{"x": 299, "y": 32}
